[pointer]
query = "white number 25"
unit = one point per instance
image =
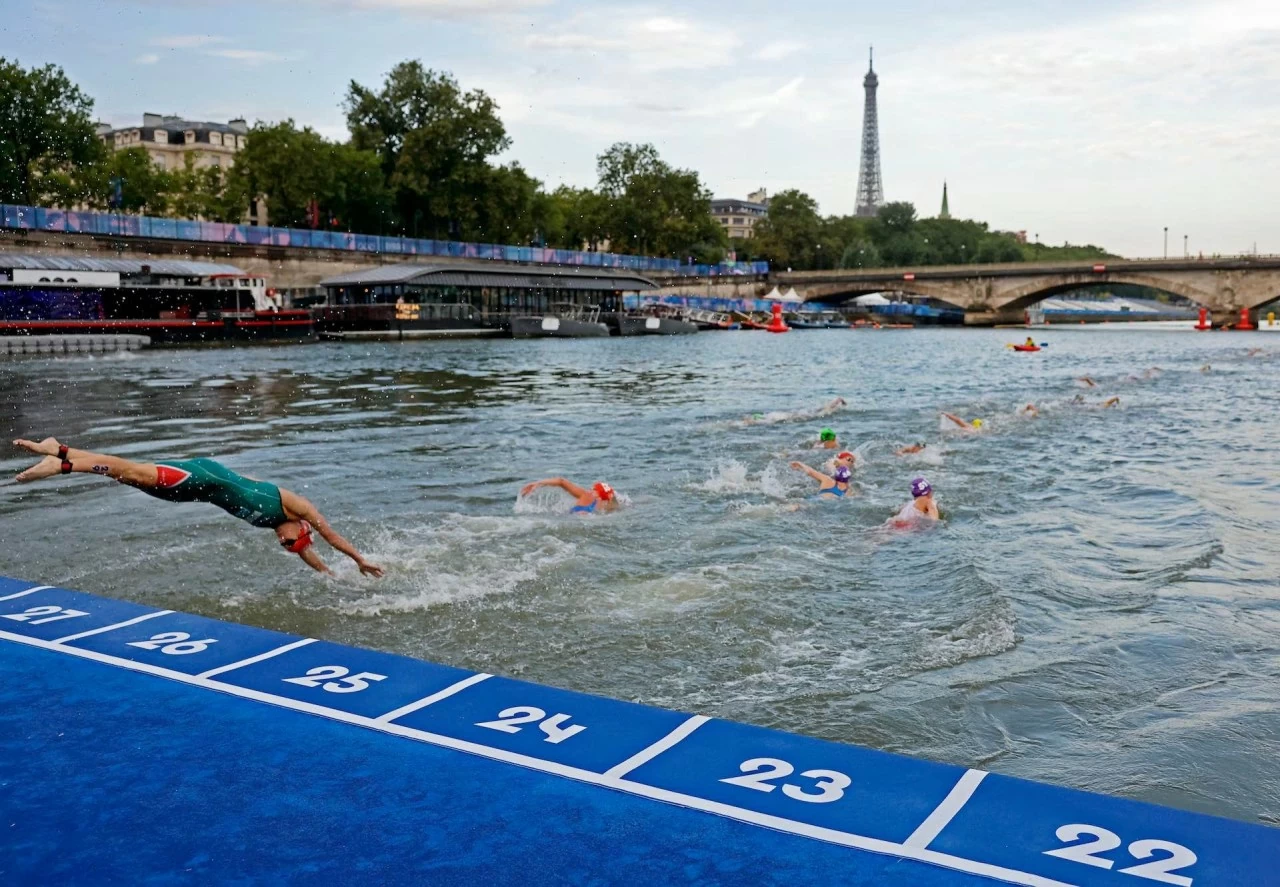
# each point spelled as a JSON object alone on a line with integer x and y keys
{"x": 760, "y": 773}
{"x": 336, "y": 679}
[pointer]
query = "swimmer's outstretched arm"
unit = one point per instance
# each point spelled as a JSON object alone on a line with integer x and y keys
{"x": 300, "y": 508}
{"x": 572, "y": 489}
{"x": 813, "y": 473}
{"x": 954, "y": 418}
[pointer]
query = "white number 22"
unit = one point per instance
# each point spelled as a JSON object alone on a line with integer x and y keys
{"x": 336, "y": 679}
{"x": 509, "y": 718}
{"x": 50, "y": 614}
{"x": 761, "y": 771}
{"x": 1157, "y": 870}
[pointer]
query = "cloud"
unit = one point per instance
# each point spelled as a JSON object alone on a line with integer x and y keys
{"x": 645, "y": 41}
{"x": 777, "y": 50}
{"x": 186, "y": 41}
{"x": 441, "y": 8}
{"x": 252, "y": 57}
{"x": 149, "y": 58}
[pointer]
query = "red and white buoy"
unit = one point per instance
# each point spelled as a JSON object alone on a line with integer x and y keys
{"x": 1246, "y": 322}
{"x": 1204, "y": 320}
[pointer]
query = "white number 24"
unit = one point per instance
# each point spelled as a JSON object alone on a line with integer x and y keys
{"x": 48, "y": 614}
{"x": 509, "y": 720}
{"x": 336, "y": 679}
{"x": 1161, "y": 869}
{"x": 761, "y": 771}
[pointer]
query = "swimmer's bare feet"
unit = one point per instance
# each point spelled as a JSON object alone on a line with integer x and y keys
{"x": 47, "y": 447}
{"x": 46, "y": 467}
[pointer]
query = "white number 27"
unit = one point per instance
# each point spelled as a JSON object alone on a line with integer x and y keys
{"x": 46, "y": 614}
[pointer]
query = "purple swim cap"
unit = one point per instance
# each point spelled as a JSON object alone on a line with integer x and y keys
{"x": 920, "y": 487}
{"x": 842, "y": 475}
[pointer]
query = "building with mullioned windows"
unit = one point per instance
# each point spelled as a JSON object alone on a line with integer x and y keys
{"x": 168, "y": 139}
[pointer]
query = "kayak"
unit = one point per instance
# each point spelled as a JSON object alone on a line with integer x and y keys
{"x": 1026, "y": 347}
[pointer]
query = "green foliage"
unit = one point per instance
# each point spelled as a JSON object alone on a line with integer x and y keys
{"x": 647, "y": 206}
{"x": 434, "y": 142}
{"x": 46, "y": 136}
{"x": 789, "y": 234}
{"x": 144, "y": 186}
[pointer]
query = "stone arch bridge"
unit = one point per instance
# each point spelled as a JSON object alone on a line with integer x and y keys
{"x": 991, "y": 294}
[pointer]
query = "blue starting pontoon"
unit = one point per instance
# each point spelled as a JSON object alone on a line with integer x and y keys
{"x": 144, "y": 746}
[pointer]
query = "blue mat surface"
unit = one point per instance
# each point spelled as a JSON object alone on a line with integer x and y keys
{"x": 142, "y": 746}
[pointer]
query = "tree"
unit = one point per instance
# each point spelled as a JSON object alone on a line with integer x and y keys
{"x": 860, "y": 254}
{"x": 649, "y": 207}
{"x": 144, "y": 186}
{"x": 434, "y": 142}
{"x": 787, "y": 236}
{"x": 295, "y": 169}
{"x": 45, "y": 133}
{"x": 575, "y": 218}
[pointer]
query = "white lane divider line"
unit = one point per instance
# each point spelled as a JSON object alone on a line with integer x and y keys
{"x": 252, "y": 659}
{"x": 778, "y": 823}
{"x": 9, "y": 597}
{"x": 134, "y": 621}
{"x": 645, "y": 755}
{"x": 433, "y": 698}
{"x": 946, "y": 811}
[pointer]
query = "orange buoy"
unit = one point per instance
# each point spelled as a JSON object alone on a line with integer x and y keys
{"x": 777, "y": 325}
{"x": 1246, "y": 323}
{"x": 1204, "y": 319}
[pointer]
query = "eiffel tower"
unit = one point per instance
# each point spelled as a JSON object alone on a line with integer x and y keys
{"x": 870, "y": 186}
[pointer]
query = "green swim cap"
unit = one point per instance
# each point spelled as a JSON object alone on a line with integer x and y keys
{"x": 826, "y": 434}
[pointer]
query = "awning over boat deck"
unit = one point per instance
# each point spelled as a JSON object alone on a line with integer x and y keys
{"x": 161, "y": 267}
{"x": 487, "y": 276}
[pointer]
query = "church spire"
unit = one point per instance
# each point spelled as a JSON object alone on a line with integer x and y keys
{"x": 946, "y": 210}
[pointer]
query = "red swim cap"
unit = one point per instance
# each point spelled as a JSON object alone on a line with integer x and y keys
{"x": 304, "y": 540}
{"x": 845, "y": 454}
{"x": 604, "y": 491}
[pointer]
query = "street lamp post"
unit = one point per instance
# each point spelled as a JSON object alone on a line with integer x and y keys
{"x": 1166, "y": 241}
{"x": 1186, "y": 254}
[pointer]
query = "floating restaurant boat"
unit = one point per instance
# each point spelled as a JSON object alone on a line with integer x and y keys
{"x": 409, "y": 300}
{"x": 169, "y": 301}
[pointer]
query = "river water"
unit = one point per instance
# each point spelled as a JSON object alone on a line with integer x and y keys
{"x": 1100, "y": 609}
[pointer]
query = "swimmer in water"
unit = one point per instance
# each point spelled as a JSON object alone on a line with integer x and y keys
{"x": 203, "y": 480}
{"x": 1206, "y": 368}
{"x": 600, "y": 498}
{"x": 1110, "y": 402}
{"x": 1254, "y": 352}
{"x": 833, "y": 487}
{"x": 1087, "y": 382}
{"x": 971, "y": 427}
{"x": 921, "y": 508}
{"x": 1029, "y": 411}
{"x": 796, "y": 416}
{"x": 909, "y": 450}
{"x": 827, "y": 440}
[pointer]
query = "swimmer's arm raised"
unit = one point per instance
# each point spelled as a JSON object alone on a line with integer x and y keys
{"x": 816, "y": 475}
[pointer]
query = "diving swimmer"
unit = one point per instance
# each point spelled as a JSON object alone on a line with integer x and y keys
{"x": 833, "y": 487}
{"x": 599, "y": 498}
{"x": 971, "y": 427}
{"x": 259, "y": 503}
{"x": 920, "y": 508}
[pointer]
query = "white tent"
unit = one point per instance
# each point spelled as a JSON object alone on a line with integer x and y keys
{"x": 775, "y": 295}
{"x": 871, "y": 300}
{"x": 791, "y": 296}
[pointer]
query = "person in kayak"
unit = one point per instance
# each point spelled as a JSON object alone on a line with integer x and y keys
{"x": 920, "y": 509}
{"x": 600, "y": 498}
{"x": 832, "y": 487}
{"x": 970, "y": 427}
{"x": 257, "y": 502}
{"x": 1030, "y": 343}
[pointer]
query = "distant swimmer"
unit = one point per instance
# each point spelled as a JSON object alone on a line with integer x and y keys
{"x": 827, "y": 440}
{"x": 1087, "y": 382}
{"x": 776, "y": 418}
{"x": 1254, "y": 352}
{"x": 834, "y": 406}
{"x": 921, "y": 508}
{"x": 833, "y": 487}
{"x": 1206, "y": 368}
{"x": 1029, "y": 411}
{"x": 909, "y": 450}
{"x": 971, "y": 427}
{"x": 600, "y": 498}
{"x": 1110, "y": 402}
{"x": 259, "y": 503}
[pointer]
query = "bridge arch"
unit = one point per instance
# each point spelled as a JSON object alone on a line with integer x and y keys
{"x": 1028, "y": 294}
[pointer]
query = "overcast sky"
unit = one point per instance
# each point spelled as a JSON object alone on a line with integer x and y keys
{"x": 1087, "y": 121}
